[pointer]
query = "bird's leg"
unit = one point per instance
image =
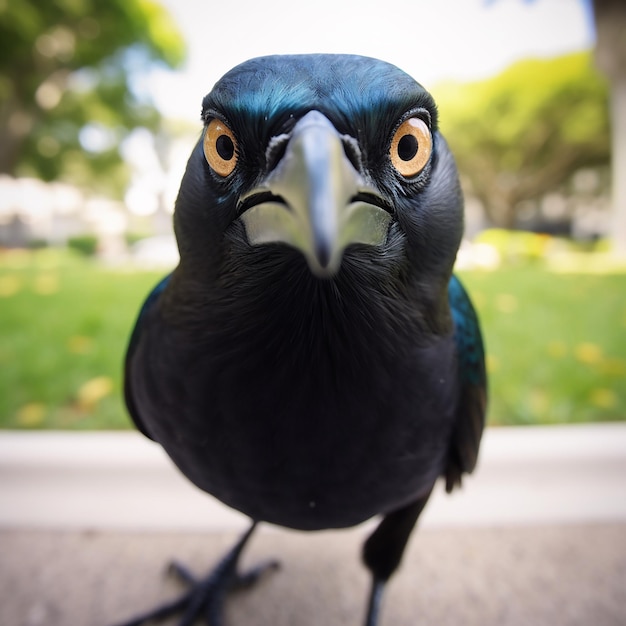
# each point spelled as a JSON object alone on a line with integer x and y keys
{"x": 207, "y": 595}
{"x": 375, "y": 600}
{"x": 383, "y": 551}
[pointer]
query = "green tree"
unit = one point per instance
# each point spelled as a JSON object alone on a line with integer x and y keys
{"x": 67, "y": 97}
{"x": 526, "y": 131}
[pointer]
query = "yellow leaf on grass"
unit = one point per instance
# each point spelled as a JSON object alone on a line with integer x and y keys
{"x": 589, "y": 353}
{"x": 506, "y": 303}
{"x": 492, "y": 362}
{"x": 557, "y": 349}
{"x": 31, "y": 414}
{"x": 9, "y": 285}
{"x": 91, "y": 392}
{"x": 613, "y": 367}
{"x": 46, "y": 284}
{"x": 79, "y": 344}
{"x": 603, "y": 398}
{"x": 538, "y": 401}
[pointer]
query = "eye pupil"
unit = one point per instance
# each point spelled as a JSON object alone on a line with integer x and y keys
{"x": 220, "y": 148}
{"x": 407, "y": 147}
{"x": 225, "y": 147}
{"x": 411, "y": 147}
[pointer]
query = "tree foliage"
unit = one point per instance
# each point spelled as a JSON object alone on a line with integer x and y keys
{"x": 67, "y": 97}
{"x": 523, "y": 133}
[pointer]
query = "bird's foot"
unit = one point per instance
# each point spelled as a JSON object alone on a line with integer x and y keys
{"x": 206, "y": 596}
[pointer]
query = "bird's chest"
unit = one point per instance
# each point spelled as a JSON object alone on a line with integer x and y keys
{"x": 317, "y": 435}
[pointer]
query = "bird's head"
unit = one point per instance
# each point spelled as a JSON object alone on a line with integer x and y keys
{"x": 329, "y": 155}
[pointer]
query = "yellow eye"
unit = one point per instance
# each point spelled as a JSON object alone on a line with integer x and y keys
{"x": 220, "y": 147}
{"x": 410, "y": 147}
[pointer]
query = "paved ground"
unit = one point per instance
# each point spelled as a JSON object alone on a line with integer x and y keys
{"x": 537, "y": 537}
{"x": 513, "y": 576}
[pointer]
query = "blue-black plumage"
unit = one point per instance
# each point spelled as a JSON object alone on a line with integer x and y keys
{"x": 312, "y": 362}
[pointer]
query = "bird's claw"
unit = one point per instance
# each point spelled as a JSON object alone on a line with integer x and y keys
{"x": 206, "y": 595}
{"x": 251, "y": 577}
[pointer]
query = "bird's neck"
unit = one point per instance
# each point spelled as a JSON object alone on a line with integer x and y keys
{"x": 283, "y": 310}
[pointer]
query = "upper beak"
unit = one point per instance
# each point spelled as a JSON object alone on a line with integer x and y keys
{"x": 315, "y": 200}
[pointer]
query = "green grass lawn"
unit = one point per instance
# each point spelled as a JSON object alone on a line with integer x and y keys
{"x": 64, "y": 324}
{"x": 556, "y": 343}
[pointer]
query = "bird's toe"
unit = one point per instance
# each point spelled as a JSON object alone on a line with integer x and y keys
{"x": 205, "y": 596}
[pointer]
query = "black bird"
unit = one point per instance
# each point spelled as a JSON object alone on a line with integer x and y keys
{"x": 312, "y": 362}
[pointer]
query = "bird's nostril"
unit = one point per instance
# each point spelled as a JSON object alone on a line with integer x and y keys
{"x": 255, "y": 199}
{"x": 275, "y": 151}
{"x": 374, "y": 199}
{"x": 352, "y": 152}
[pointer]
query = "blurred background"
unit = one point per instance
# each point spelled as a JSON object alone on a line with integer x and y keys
{"x": 99, "y": 109}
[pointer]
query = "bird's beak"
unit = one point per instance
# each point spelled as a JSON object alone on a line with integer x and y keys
{"x": 315, "y": 200}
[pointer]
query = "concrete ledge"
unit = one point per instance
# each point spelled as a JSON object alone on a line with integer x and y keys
{"x": 122, "y": 481}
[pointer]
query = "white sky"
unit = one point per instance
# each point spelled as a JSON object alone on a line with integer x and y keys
{"x": 433, "y": 40}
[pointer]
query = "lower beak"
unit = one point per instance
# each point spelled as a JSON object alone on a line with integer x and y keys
{"x": 315, "y": 200}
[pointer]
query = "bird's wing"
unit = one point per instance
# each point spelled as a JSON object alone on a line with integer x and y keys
{"x": 147, "y": 307}
{"x": 471, "y": 409}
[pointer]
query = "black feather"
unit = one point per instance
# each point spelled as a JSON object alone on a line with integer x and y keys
{"x": 304, "y": 401}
